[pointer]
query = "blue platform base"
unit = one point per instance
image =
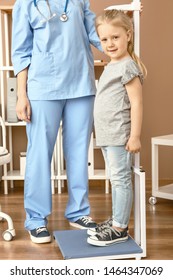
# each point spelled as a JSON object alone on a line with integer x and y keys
{"x": 73, "y": 245}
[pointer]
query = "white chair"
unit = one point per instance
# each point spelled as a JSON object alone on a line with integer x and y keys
{"x": 5, "y": 157}
{"x": 165, "y": 191}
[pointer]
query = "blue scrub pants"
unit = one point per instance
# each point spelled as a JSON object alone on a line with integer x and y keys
{"x": 77, "y": 122}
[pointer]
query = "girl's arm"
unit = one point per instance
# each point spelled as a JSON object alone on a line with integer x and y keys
{"x": 134, "y": 90}
{"x": 23, "y": 108}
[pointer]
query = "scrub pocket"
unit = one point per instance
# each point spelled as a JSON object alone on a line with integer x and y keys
{"x": 42, "y": 69}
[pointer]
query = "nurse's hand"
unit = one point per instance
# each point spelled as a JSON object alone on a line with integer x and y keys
{"x": 23, "y": 109}
{"x": 130, "y": 13}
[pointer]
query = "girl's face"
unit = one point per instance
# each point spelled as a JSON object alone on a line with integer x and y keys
{"x": 114, "y": 41}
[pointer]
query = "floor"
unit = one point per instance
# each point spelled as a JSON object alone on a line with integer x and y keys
{"x": 159, "y": 224}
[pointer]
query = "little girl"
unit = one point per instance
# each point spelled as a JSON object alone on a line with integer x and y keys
{"x": 118, "y": 120}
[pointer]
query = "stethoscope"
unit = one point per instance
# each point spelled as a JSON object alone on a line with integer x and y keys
{"x": 63, "y": 17}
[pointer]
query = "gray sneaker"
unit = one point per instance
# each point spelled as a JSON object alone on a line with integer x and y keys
{"x": 107, "y": 237}
{"x": 100, "y": 227}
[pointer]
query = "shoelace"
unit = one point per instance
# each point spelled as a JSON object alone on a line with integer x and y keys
{"x": 40, "y": 229}
{"x": 108, "y": 232}
{"x": 106, "y": 223}
{"x": 86, "y": 219}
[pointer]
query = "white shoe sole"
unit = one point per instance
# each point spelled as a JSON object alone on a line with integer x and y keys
{"x": 77, "y": 225}
{"x": 91, "y": 232}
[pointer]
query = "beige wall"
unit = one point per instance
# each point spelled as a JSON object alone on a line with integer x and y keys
{"x": 7, "y": 2}
{"x": 156, "y": 53}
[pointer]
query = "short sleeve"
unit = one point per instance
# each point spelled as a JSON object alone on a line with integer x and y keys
{"x": 130, "y": 71}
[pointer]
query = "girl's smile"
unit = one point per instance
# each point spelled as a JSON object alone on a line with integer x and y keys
{"x": 114, "y": 40}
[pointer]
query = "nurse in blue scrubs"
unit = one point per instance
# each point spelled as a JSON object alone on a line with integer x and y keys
{"x": 53, "y": 62}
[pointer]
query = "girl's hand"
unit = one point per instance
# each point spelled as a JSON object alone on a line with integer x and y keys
{"x": 133, "y": 145}
{"x": 23, "y": 109}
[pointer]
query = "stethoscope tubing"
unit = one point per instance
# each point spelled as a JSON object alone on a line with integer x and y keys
{"x": 65, "y": 8}
{"x": 66, "y": 5}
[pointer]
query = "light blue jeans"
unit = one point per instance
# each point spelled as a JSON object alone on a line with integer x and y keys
{"x": 118, "y": 164}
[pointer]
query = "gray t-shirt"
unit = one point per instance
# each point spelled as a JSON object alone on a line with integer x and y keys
{"x": 112, "y": 106}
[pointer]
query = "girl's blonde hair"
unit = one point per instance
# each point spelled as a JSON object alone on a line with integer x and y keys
{"x": 121, "y": 19}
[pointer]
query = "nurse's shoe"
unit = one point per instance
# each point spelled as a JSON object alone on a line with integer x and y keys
{"x": 40, "y": 235}
{"x": 84, "y": 222}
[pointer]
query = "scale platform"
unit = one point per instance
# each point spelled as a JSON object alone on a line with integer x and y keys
{"x": 73, "y": 245}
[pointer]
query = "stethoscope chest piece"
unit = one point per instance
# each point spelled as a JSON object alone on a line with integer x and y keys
{"x": 64, "y": 17}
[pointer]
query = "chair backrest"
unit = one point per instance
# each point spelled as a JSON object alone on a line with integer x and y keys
{"x": 5, "y": 156}
{"x": 3, "y": 132}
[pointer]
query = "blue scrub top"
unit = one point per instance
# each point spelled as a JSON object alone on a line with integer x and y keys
{"x": 57, "y": 53}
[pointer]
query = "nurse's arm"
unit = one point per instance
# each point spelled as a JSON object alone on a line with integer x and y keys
{"x": 89, "y": 20}
{"x": 23, "y": 108}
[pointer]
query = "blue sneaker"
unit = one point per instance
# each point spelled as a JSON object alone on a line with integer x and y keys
{"x": 84, "y": 222}
{"x": 40, "y": 235}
